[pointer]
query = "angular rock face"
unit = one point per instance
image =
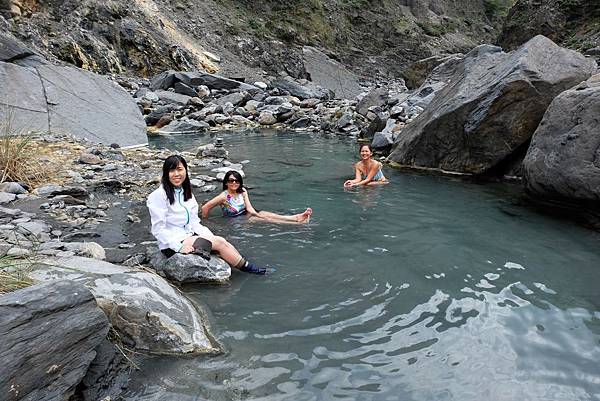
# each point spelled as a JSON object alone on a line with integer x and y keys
{"x": 148, "y": 313}
{"x": 491, "y": 106}
{"x": 330, "y": 74}
{"x": 49, "y": 333}
{"x": 563, "y": 160}
{"x": 168, "y": 79}
{"x": 305, "y": 90}
{"x": 67, "y": 100}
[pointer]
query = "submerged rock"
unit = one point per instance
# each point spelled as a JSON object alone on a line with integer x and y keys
{"x": 563, "y": 160}
{"x": 491, "y": 106}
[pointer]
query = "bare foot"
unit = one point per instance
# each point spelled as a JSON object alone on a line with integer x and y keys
{"x": 305, "y": 216}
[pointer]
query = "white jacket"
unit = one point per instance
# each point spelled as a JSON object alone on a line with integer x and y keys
{"x": 171, "y": 224}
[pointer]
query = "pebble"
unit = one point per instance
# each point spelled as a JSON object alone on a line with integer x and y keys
{"x": 126, "y": 246}
{"x": 18, "y": 252}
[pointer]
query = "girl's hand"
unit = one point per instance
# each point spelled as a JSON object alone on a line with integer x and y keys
{"x": 186, "y": 249}
{"x": 348, "y": 183}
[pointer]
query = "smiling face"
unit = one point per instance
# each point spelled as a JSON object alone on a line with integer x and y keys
{"x": 365, "y": 152}
{"x": 232, "y": 183}
{"x": 177, "y": 175}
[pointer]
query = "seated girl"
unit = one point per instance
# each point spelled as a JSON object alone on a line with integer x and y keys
{"x": 175, "y": 221}
{"x": 367, "y": 171}
{"x": 234, "y": 201}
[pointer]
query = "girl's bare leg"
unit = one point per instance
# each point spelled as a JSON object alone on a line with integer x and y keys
{"x": 227, "y": 251}
{"x": 378, "y": 182}
{"x": 303, "y": 217}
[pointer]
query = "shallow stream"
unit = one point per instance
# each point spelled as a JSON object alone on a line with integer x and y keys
{"x": 427, "y": 289}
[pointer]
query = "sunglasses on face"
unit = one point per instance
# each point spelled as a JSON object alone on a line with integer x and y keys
{"x": 232, "y": 180}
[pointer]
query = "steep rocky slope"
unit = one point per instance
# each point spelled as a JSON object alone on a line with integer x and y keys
{"x": 570, "y": 23}
{"x": 248, "y": 38}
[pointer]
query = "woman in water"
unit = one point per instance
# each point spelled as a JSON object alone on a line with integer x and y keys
{"x": 234, "y": 201}
{"x": 175, "y": 221}
{"x": 367, "y": 171}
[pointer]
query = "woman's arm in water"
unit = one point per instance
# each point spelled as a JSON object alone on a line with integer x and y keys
{"x": 350, "y": 183}
{"x": 368, "y": 178}
{"x": 249, "y": 208}
{"x": 217, "y": 200}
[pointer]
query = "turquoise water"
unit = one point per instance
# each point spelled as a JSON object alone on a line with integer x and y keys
{"x": 426, "y": 289}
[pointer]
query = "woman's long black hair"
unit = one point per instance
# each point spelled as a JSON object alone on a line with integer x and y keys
{"x": 171, "y": 164}
{"x": 235, "y": 175}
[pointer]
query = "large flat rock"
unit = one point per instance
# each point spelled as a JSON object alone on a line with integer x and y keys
{"x": 62, "y": 99}
{"x": 149, "y": 314}
{"x": 490, "y": 107}
{"x": 22, "y": 93}
{"x": 91, "y": 106}
{"x": 330, "y": 74}
{"x": 49, "y": 335}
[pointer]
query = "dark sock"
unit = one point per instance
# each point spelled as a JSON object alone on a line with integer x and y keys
{"x": 252, "y": 268}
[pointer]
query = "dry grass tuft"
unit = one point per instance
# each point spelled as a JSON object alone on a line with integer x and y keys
{"x": 18, "y": 159}
{"x": 14, "y": 274}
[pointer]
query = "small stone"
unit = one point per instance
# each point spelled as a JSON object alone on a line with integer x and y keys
{"x": 17, "y": 252}
{"x": 56, "y": 233}
{"x": 206, "y": 178}
{"x": 126, "y": 246}
{"x": 133, "y": 219}
{"x": 88, "y": 158}
{"x": 6, "y": 197}
{"x": 266, "y": 118}
{"x": 196, "y": 183}
{"x": 12, "y": 188}
{"x": 261, "y": 85}
{"x": 110, "y": 167}
{"x": 65, "y": 254}
{"x": 208, "y": 188}
{"x": 145, "y": 164}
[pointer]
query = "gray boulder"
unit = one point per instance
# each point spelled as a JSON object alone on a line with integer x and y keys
{"x": 190, "y": 268}
{"x": 383, "y": 140}
{"x": 490, "y": 107}
{"x": 49, "y": 335}
{"x": 375, "y": 97}
{"x": 236, "y": 99}
{"x": 563, "y": 160}
{"x": 6, "y": 197}
{"x": 266, "y": 118}
{"x": 69, "y": 100}
{"x": 167, "y": 79}
{"x": 184, "y": 126}
{"x": 149, "y": 314}
{"x": 160, "y": 111}
{"x": 330, "y": 74}
{"x": 414, "y": 102}
{"x": 184, "y": 89}
{"x": 303, "y": 90}
{"x": 12, "y": 188}
{"x": 173, "y": 98}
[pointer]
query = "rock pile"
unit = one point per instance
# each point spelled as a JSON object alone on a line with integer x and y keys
{"x": 191, "y": 102}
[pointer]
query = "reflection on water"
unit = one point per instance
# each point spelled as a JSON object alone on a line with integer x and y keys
{"x": 425, "y": 289}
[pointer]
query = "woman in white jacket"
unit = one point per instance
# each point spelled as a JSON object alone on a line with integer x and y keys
{"x": 175, "y": 221}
